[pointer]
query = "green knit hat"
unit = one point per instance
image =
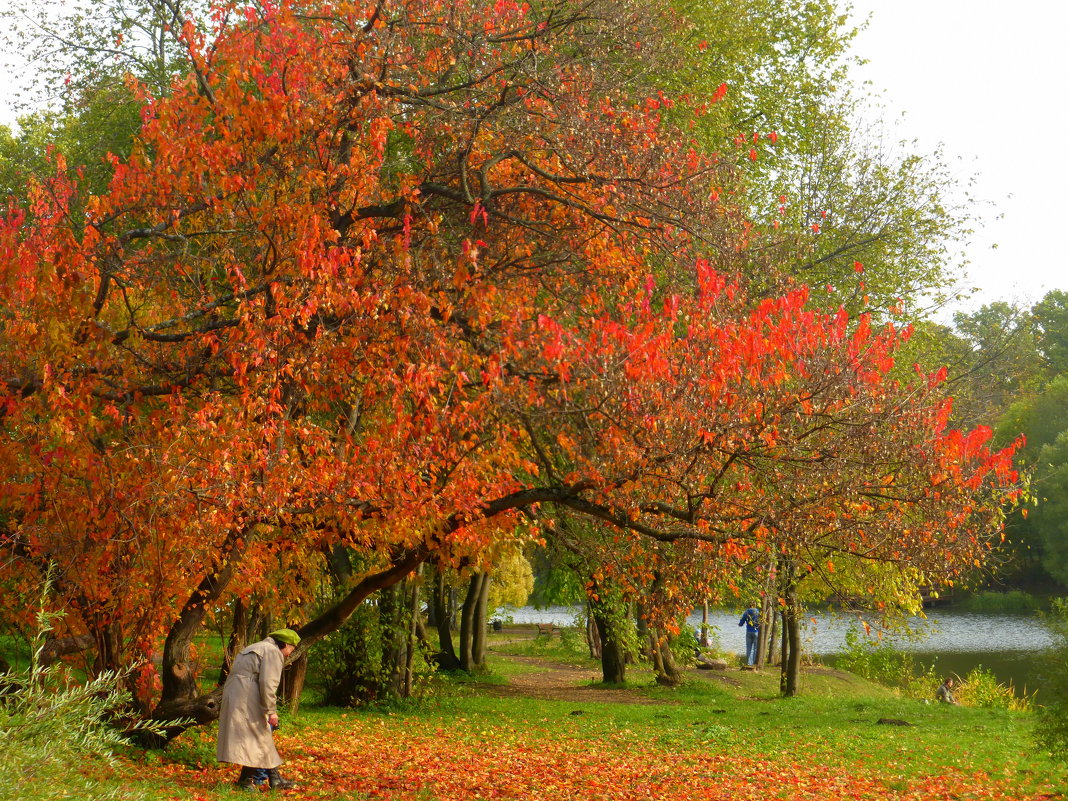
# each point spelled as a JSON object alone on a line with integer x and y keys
{"x": 287, "y": 636}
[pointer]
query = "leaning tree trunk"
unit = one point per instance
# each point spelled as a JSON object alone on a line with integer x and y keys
{"x": 293, "y": 677}
{"x": 204, "y": 709}
{"x": 181, "y": 697}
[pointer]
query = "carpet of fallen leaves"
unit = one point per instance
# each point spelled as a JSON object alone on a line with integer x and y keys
{"x": 365, "y": 760}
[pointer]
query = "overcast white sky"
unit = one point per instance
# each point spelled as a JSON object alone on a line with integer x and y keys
{"x": 990, "y": 81}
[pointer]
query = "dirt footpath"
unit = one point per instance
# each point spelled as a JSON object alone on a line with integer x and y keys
{"x": 557, "y": 681}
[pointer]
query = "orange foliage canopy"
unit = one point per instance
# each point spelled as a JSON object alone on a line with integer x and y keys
{"x": 381, "y": 274}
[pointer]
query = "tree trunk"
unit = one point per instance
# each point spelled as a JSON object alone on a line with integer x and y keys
{"x": 178, "y": 673}
{"x": 793, "y": 668}
{"x": 446, "y": 657}
{"x": 771, "y": 637}
{"x": 784, "y": 654}
{"x": 248, "y": 626}
{"x": 293, "y": 681}
{"x": 593, "y": 636}
{"x": 413, "y": 631}
{"x": 667, "y": 671}
{"x": 467, "y": 622}
{"x": 394, "y": 632}
{"x": 480, "y": 623}
{"x": 57, "y": 647}
{"x": 613, "y": 654}
{"x": 766, "y": 616}
{"x": 791, "y": 636}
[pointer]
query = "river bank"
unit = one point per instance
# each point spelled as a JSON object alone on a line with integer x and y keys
{"x": 951, "y": 641}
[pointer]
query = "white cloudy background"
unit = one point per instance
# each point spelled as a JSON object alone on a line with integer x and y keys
{"x": 990, "y": 81}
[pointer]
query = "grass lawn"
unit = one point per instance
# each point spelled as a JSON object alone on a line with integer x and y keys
{"x": 721, "y": 736}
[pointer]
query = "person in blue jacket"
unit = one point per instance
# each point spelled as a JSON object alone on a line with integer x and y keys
{"x": 751, "y": 621}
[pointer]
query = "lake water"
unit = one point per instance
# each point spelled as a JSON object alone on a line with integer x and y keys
{"x": 954, "y": 642}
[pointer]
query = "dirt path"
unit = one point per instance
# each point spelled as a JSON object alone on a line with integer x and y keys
{"x": 558, "y": 681}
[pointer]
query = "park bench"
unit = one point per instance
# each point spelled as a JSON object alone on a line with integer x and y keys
{"x": 548, "y": 629}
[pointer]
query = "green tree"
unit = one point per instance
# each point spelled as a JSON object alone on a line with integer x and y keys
{"x": 1051, "y": 324}
{"x": 827, "y": 181}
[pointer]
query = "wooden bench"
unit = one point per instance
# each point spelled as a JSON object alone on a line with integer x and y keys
{"x": 548, "y": 629}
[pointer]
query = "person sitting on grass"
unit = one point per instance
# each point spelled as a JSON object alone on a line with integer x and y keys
{"x": 249, "y": 713}
{"x": 944, "y": 693}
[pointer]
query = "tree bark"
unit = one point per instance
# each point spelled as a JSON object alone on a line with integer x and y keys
{"x": 248, "y": 626}
{"x": 767, "y": 614}
{"x": 56, "y": 647}
{"x": 403, "y": 563}
{"x": 771, "y": 637}
{"x": 784, "y": 653}
{"x": 793, "y": 668}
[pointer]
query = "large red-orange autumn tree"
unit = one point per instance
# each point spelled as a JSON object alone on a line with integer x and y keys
{"x": 380, "y": 274}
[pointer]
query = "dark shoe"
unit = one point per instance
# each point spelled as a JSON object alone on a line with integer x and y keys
{"x": 250, "y": 784}
{"x": 278, "y": 782}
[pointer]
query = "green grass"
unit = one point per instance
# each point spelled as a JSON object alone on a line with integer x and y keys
{"x": 834, "y": 722}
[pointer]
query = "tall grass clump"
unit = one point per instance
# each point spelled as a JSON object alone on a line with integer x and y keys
{"x": 58, "y": 735}
{"x": 980, "y": 688}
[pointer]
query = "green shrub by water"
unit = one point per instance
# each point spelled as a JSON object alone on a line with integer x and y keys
{"x": 880, "y": 662}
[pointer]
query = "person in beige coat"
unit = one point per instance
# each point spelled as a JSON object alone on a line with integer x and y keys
{"x": 249, "y": 713}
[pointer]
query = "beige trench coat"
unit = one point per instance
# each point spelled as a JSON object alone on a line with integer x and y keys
{"x": 248, "y": 698}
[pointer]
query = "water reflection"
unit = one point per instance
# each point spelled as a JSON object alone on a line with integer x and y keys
{"x": 824, "y": 632}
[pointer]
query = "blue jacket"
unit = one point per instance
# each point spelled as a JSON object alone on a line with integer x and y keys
{"x": 751, "y": 620}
